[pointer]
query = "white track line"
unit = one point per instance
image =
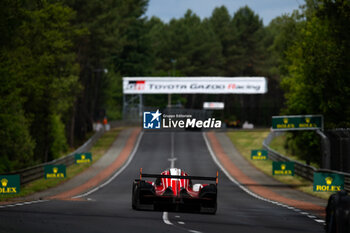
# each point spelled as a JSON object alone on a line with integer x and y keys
{"x": 172, "y": 165}
{"x": 319, "y": 220}
{"x": 247, "y": 190}
{"x": 172, "y": 145}
{"x": 93, "y": 190}
{"x": 120, "y": 170}
{"x": 193, "y": 231}
{"x": 23, "y": 203}
{"x": 172, "y": 158}
{"x": 165, "y": 218}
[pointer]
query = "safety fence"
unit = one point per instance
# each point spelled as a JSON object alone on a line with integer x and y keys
{"x": 300, "y": 169}
{"x": 36, "y": 172}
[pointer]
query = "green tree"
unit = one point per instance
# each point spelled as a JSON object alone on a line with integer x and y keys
{"x": 114, "y": 38}
{"x": 281, "y": 34}
{"x": 246, "y": 51}
{"x": 16, "y": 144}
{"x": 189, "y": 42}
{"x": 42, "y": 62}
{"x": 220, "y": 22}
{"x": 157, "y": 35}
{"x": 318, "y": 80}
{"x": 318, "y": 73}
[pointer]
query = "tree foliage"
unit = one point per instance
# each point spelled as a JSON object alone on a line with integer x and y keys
{"x": 318, "y": 77}
{"x": 54, "y": 58}
{"x": 317, "y": 80}
{"x": 40, "y": 76}
{"x": 62, "y": 63}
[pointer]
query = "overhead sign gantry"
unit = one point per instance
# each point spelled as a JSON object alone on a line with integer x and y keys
{"x": 194, "y": 85}
{"x": 305, "y": 122}
{"x": 135, "y": 87}
{"x": 298, "y": 122}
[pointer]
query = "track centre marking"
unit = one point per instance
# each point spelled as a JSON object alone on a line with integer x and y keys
{"x": 172, "y": 160}
{"x": 172, "y": 165}
{"x": 193, "y": 231}
{"x": 165, "y": 218}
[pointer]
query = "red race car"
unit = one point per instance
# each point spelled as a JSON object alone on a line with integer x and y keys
{"x": 173, "y": 189}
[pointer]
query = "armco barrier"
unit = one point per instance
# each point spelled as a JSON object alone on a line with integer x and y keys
{"x": 37, "y": 171}
{"x": 300, "y": 169}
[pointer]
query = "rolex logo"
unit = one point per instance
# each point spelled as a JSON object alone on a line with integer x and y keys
{"x": 259, "y": 153}
{"x": 55, "y": 170}
{"x": 285, "y": 120}
{"x": 82, "y": 156}
{"x": 329, "y": 180}
{"x": 283, "y": 166}
{"x": 4, "y": 182}
{"x": 307, "y": 120}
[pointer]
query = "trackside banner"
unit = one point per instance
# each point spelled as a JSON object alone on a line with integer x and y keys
{"x": 328, "y": 182}
{"x": 194, "y": 85}
{"x": 10, "y": 184}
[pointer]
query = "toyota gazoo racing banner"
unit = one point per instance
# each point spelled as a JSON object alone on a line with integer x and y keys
{"x": 194, "y": 85}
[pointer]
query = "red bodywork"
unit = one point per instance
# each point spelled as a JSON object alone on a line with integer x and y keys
{"x": 176, "y": 185}
{"x": 174, "y": 188}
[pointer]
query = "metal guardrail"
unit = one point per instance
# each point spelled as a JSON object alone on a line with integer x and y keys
{"x": 300, "y": 169}
{"x": 37, "y": 171}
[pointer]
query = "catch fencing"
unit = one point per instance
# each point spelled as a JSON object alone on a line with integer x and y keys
{"x": 36, "y": 172}
{"x": 300, "y": 169}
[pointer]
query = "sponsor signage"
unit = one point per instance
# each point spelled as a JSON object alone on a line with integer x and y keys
{"x": 10, "y": 184}
{"x": 194, "y": 85}
{"x": 55, "y": 171}
{"x": 155, "y": 120}
{"x": 213, "y": 105}
{"x": 283, "y": 168}
{"x": 83, "y": 158}
{"x": 328, "y": 182}
{"x": 300, "y": 122}
{"x": 259, "y": 155}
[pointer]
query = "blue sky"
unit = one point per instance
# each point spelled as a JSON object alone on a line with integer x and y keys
{"x": 266, "y": 9}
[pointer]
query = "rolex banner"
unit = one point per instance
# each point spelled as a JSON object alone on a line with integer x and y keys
{"x": 283, "y": 168}
{"x": 83, "y": 158}
{"x": 10, "y": 184}
{"x": 259, "y": 155}
{"x": 328, "y": 182}
{"x": 55, "y": 171}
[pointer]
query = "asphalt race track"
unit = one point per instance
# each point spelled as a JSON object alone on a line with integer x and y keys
{"x": 109, "y": 208}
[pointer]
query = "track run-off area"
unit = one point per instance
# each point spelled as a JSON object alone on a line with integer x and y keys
{"x": 107, "y": 207}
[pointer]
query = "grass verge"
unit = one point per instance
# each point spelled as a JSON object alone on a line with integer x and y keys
{"x": 245, "y": 141}
{"x": 97, "y": 151}
{"x": 278, "y": 145}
